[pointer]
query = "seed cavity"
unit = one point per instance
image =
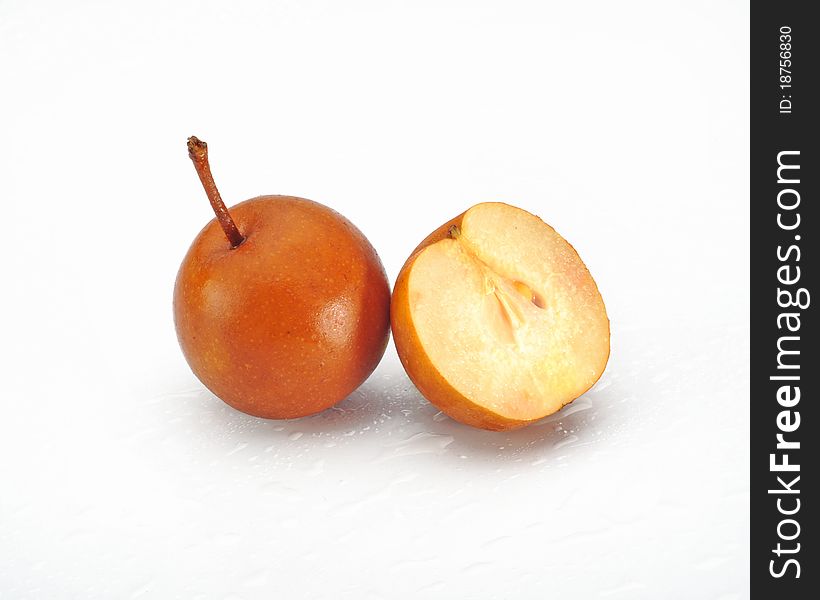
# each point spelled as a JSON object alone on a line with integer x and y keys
{"x": 505, "y": 299}
{"x": 530, "y": 294}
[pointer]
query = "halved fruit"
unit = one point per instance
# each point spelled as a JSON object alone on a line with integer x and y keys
{"x": 497, "y": 320}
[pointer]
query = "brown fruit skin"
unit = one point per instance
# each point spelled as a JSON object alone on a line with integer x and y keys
{"x": 291, "y": 321}
{"x": 417, "y": 363}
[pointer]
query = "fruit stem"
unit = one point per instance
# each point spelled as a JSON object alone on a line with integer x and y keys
{"x": 198, "y": 151}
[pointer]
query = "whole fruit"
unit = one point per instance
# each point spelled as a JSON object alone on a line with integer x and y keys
{"x": 497, "y": 320}
{"x": 281, "y": 305}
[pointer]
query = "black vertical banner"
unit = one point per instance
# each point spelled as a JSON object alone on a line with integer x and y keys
{"x": 785, "y": 170}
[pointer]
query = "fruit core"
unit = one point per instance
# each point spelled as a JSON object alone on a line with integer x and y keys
{"x": 505, "y": 298}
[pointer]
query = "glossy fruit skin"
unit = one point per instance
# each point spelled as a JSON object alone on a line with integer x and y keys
{"x": 291, "y": 321}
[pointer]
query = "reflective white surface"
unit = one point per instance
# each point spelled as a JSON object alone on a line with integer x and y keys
{"x": 120, "y": 477}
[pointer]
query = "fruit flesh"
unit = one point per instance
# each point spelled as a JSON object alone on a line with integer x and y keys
{"x": 293, "y": 319}
{"x": 497, "y": 320}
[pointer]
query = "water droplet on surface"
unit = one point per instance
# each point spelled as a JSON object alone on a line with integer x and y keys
{"x": 238, "y": 448}
{"x": 142, "y": 589}
{"x": 579, "y": 405}
{"x": 419, "y": 443}
{"x": 602, "y": 385}
{"x": 295, "y": 435}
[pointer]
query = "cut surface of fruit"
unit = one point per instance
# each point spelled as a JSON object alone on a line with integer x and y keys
{"x": 506, "y": 316}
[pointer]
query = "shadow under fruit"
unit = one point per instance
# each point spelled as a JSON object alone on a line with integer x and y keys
{"x": 281, "y": 305}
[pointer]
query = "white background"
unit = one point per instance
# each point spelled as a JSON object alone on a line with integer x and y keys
{"x": 622, "y": 124}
